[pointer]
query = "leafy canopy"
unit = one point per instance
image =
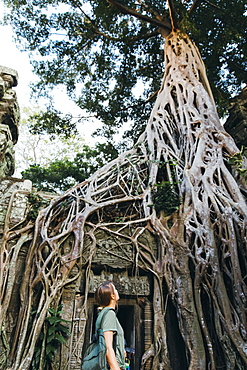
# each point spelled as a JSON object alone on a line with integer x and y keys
{"x": 61, "y": 174}
{"x": 54, "y": 158}
{"x": 111, "y": 62}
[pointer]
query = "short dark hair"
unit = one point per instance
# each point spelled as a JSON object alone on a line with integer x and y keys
{"x": 103, "y": 293}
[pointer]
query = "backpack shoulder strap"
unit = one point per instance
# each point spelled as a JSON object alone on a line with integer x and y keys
{"x": 101, "y": 320}
{"x": 114, "y": 336}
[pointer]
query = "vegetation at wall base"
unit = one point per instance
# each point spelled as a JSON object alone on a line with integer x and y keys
{"x": 54, "y": 333}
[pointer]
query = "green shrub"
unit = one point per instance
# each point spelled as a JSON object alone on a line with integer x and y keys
{"x": 53, "y": 334}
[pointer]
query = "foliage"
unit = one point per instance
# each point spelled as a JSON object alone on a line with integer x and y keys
{"x": 165, "y": 194}
{"x": 237, "y": 161}
{"x": 53, "y": 123}
{"x": 40, "y": 148}
{"x": 36, "y": 203}
{"x": 53, "y": 334}
{"x": 165, "y": 197}
{"x": 99, "y": 48}
{"x": 60, "y": 175}
{"x": 56, "y": 165}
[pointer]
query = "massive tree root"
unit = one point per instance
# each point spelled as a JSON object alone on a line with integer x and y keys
{"x": 198, "y": 255}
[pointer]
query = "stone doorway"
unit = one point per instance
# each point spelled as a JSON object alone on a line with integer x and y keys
{"x": 135, "y": 312}
{"x": 130, "y": 317}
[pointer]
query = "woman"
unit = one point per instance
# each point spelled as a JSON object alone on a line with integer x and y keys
{"x": 107, "y": 297}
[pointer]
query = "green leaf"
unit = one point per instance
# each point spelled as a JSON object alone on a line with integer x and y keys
{"x": 52, "y": 329}
{"x": 51, "y": 337}
{"x": 60, "y": 338}
{"x": 50, "y": 349}
{"x": 53, "y": 319}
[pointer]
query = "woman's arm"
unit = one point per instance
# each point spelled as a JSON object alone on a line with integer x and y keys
{"x": 110, "y": 354}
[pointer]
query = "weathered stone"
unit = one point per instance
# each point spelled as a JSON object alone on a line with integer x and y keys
{"x": 7, "y": 160}
{"x": 13, "y": 201}
{"x": 74, "y": 311}
{"x": 236, "y": 124}
{"x": 9, "y": 108}
{"x": 119, "y": 252}
{"x": 10, "y": 75}
{"x": 127, "y": 285}
{"x": 9, "y": 120}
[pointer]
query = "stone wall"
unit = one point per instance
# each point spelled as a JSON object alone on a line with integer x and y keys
{"x": 9, "y": 120}
{"x": 13, "y": 201}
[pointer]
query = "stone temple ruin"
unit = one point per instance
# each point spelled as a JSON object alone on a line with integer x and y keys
{"x": 9, "y": 118}
{"x": 12, "y": 191}
{"x": 135, "y": 307}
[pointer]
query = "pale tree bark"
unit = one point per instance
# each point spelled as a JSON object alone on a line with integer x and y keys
{"x": 199, "y": 268}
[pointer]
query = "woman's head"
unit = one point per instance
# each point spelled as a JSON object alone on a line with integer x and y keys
{"x": 105, "y": 293}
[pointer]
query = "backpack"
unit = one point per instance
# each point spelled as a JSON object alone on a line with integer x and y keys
{"x": 95, "y": 354}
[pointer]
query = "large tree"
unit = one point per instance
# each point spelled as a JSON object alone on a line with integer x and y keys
{"x": 102, "y": 55}
{"x": 175, "y": 187}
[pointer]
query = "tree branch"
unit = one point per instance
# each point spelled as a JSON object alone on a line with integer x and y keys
{"x": 194, "y": 6}
{"x": 124, "y": 10}
{"x": 173, "y": 15}
{"x": 105, "y": 35}
{"x": 151, "y": 11}
{"x": 223, "y": 10}
{"x": 139, "y": 104}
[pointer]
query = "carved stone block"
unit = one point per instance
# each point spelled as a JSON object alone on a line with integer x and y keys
{"x": 119, "y": 252}
{"x": 7, "y": 160}
{"x": 9, "y": 108}
{"x": 13, "y": 200}
{"x": 127, "y": 285}
{"x": 9, "y": 120}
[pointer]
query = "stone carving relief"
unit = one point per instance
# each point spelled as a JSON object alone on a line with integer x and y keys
{"x": 119, "y": 252}
{"x": 128, "y": 285}
{"x": 13, "y": 201}
{"x": 9, "y": 119}
{"x": 7, "y": 161}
